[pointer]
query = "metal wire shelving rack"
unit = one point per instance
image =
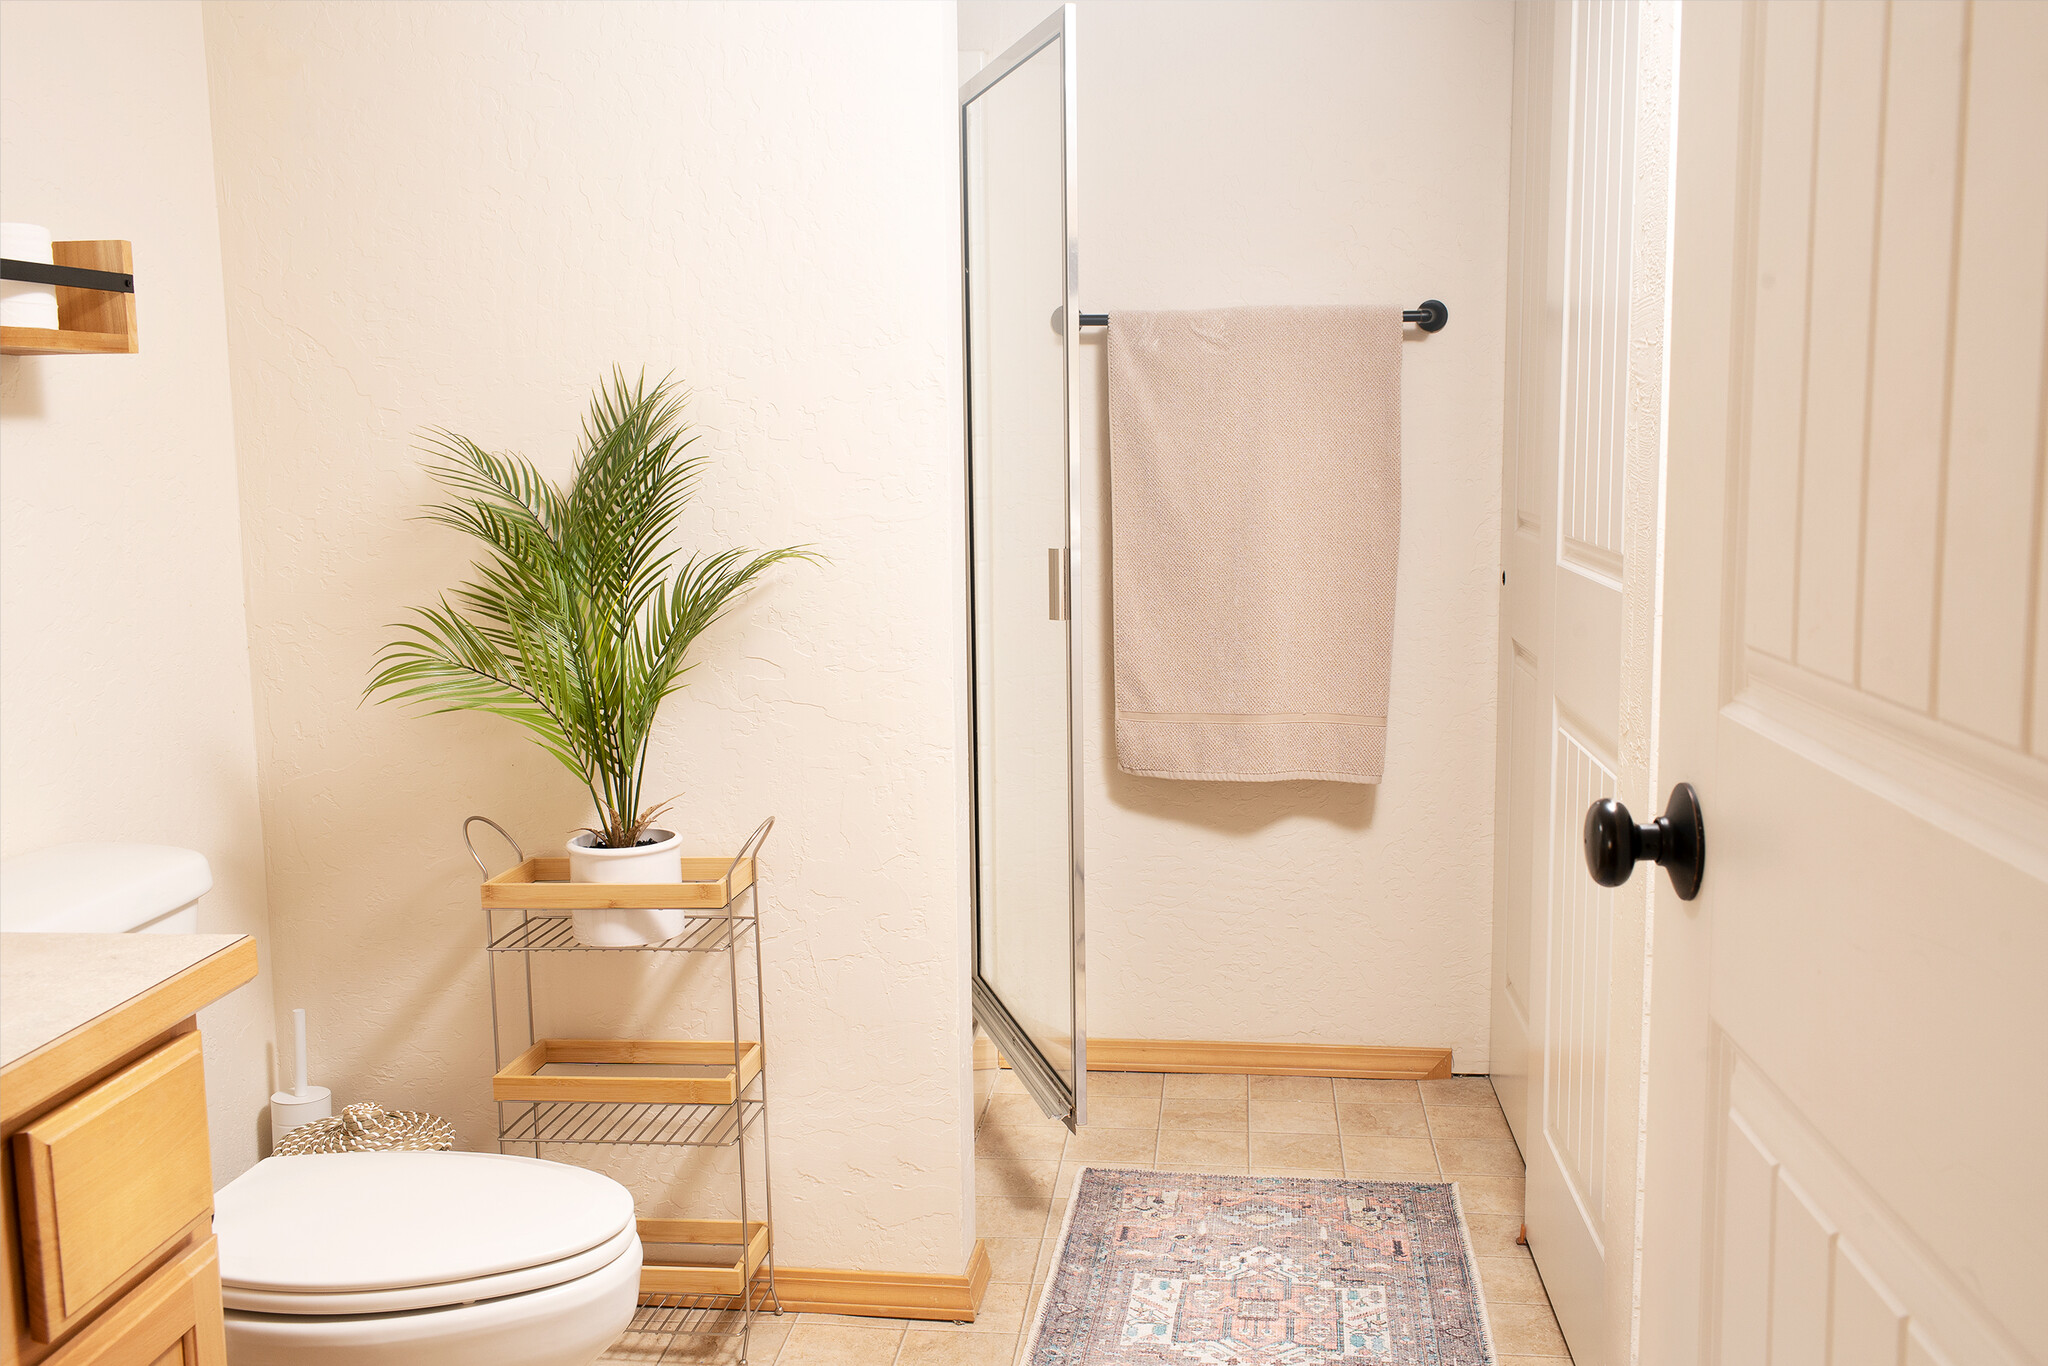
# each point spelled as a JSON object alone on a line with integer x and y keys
{"x": 530, "y": 909}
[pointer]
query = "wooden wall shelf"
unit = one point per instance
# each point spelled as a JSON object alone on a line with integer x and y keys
{"x": 90, "y": 322}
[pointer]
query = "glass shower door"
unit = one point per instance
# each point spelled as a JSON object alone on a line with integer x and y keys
{"x": 1017, "y": 182}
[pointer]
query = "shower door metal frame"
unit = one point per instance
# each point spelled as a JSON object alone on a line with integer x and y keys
{"x": 1062, "y": 1098}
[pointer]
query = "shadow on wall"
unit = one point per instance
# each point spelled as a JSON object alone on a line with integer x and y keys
{"x": 259, "y": 1121}
{"x": 1224, "y": 808}
{"x": 21, "y": 389}
{"x": 416, "y": 1037}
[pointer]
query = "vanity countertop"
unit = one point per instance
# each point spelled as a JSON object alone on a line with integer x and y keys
{"x": 59, "y": 990}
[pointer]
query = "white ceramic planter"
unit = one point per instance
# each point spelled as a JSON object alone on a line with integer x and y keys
{"x": 661, "y": 861}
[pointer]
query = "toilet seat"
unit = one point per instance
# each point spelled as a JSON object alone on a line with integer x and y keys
{"x": 430, "y": 1296}
{"x": 376, "y": 1233}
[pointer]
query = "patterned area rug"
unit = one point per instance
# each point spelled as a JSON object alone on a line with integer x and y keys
{"x": 1188, "y": 1269}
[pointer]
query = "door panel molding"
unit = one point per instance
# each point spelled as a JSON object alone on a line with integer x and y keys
{"x": 1980, "y": 792}
{"x": 1894, "y": 358}
{"x": 1577, "y": 1014}
{"x": 1524, "y": 820}
{"x": 1812, "y": 1265}
{"x": 1599, "y": 247}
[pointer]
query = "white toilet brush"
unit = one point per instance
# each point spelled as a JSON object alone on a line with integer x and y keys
{"x": 305, "y": 1102}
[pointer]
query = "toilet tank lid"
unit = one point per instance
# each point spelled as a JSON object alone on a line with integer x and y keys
{"x": 99, "y": 888}
{"x": 335, "y": 1222}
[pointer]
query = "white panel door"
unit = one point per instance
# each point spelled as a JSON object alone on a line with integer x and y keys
{"x": 1849, "y": 1067}
{"x": 1583, "y": 420}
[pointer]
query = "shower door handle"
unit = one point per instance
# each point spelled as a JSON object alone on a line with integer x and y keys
{"x": 1056, "y": 584}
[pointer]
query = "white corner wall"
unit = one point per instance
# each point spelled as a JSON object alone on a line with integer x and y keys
{"x": 1259, "y": 152}
{"x": 465, "y": 214}
{"x": 125, "y": 709}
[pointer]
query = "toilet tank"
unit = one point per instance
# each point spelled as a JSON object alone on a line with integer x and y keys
{"x": 104, "y": 889}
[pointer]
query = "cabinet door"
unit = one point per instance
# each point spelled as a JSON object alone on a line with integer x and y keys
{"x": 171, "y": 1319}
{"x": 108, "y": 1181}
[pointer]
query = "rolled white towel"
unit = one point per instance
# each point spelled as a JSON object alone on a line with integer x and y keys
{"x": 23, "y": 304}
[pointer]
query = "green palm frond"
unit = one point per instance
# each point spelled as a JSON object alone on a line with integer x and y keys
{"x": 578, "y": 624}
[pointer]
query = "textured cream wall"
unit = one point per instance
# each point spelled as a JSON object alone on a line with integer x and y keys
{"x": 1240, "y": 153}
{"x": 464, "y": 214}
{"x": 125, "y": 707}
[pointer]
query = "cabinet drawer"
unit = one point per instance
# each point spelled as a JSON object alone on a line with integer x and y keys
{"x": 107, "y": 1179}
{"x": 171, "y": 1319}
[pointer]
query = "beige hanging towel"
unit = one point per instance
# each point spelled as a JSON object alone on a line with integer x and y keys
{"x": 1255, "y": 485}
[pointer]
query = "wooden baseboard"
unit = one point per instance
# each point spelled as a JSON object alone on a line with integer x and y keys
{"x": 1379, "y": 1061}
{"x": 885, "y": 1294}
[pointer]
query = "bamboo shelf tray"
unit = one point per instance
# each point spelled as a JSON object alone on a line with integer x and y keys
{"x": 717, "y": 1082}
{"x": 709, "y": 1278}
{"x": 542, "y": 884}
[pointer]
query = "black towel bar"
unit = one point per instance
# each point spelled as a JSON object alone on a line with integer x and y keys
{"x": 1431, "y": 317}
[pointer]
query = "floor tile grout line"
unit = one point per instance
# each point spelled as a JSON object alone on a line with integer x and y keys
{"x": 1430, "y": 1125}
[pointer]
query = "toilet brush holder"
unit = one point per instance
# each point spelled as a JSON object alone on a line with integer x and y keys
{"x": 290, "y": 1109}
{"x": 304, "y": 1102}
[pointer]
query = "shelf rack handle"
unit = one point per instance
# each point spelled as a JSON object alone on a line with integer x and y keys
{"x": 470, "y": 844}
{"x": 752, "y": 845}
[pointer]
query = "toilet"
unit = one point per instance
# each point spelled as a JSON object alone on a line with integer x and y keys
{"x": 104, "y": 889}
{"x": 368, "y": 1258}
{"x": 424, "y": 1259}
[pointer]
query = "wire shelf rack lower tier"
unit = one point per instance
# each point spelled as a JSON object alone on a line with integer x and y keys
{"x": 557, "y": 934}
{"x": 624, "y": 1122}
{"x": 663, "y": 1318}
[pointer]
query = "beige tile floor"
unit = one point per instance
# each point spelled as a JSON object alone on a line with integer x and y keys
{"x": 1295, "y": 1126}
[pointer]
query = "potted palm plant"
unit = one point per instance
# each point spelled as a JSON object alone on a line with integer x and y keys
{"x": 578, "y": 623}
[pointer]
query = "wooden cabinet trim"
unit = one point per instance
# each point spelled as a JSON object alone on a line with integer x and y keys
{"x": 31, "y": 1082}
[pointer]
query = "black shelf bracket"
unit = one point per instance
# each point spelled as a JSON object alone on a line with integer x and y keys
{"x": 70, "y": 277}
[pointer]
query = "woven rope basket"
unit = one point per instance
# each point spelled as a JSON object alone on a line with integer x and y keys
{"x": 367, "y": 1127}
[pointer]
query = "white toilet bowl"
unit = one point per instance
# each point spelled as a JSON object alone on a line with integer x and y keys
{"x": 424, "y": 1259}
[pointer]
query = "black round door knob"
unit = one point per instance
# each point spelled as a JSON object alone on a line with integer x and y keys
{"x": 1677, "y": 840}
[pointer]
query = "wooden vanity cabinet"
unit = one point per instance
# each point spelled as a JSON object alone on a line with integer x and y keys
{"x": 106, "y": 1226}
